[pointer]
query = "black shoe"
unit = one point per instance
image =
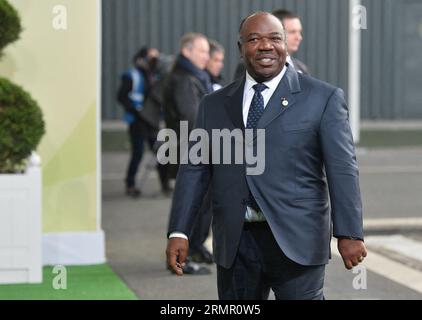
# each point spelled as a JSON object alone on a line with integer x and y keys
{"x": 202, "y": 256}
{"x": 195, "y": 269}
{"x": 167, "y": 191}
{"x": 133, "y": 192}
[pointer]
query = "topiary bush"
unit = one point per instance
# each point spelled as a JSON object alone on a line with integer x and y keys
{"x": 21, "y": 121}
{"x": 21, "y": 126}
{"x": 10, "y": 26}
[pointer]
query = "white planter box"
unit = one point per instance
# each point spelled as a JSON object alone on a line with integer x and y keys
{"x": 20, "y": 227}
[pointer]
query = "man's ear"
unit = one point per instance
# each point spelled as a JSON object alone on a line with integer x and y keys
{"x": 239, "y": 45}
{"x": 185, "y": 52}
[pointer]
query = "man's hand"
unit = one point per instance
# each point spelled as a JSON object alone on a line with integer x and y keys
{"x": 352, "y": 251}
{"x": 177, "y": 251}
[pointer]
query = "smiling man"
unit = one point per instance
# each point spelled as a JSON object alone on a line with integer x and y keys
{"x": 273, "y": 230}
{"x": 263, "y": 47}
{"x": 293, "y": 29}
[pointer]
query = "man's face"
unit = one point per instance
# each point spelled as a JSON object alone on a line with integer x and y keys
{"x": 199, "y": 53}
{"x": 153, "y": 53}
{"x": 263, "y": 46}
{"x": 216, "y": 63}
{"x": 293, "y": 29}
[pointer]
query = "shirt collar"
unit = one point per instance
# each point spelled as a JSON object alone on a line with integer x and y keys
{"x": 271, "y": 84}
{"x": 289, "y": 60}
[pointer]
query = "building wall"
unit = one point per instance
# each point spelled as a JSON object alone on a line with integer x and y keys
{"x": 391, "y": 64}
{"x": 59, "y": 68}
{"x": 130, "y": 24}
{"x": 391, "y": 60}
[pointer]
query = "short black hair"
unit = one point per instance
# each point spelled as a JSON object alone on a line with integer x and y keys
{"x": 215, "y": 47}
{"x": 142, "y": 53}
{"x": 282, "y": 14}
{"x": 256, "y": 13}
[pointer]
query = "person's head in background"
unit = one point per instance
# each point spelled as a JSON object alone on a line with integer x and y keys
{"x": 293, "y": 28}
{"x": 146, "y": 58}
{"x": 216, "y": 61}
{"x": 195, "y": 47}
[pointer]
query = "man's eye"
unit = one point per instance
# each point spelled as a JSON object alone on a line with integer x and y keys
{"x": 276, "y": 39}
{"x": 253, "y": 40}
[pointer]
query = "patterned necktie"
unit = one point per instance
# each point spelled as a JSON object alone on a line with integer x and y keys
{"x": 255, "y": 112}
{"x": 257, "y": 106}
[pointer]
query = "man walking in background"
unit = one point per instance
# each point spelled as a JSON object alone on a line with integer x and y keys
{"x": 293, "y": 28}
{"x": 216, "y": 64}
{"x": 134, "y": 90}
{"x": 198, "y": 252}
{"x": 185, "y": 86}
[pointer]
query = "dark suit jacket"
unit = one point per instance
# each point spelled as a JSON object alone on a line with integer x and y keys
{"x": 310, "y": 163}
{"x": 182, "y": 94}
{"x": 152, "y": 109}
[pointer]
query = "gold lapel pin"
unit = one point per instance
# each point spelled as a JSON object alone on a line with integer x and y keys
{"x": 284, "y": 102}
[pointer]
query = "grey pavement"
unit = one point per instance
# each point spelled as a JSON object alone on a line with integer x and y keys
{"x": 136, "y": 229}
{"x": 391, "y": 182}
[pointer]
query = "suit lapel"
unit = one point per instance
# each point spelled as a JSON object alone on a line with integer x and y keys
{"x": 234, "y": 104}
{"x": 286, "y": 90}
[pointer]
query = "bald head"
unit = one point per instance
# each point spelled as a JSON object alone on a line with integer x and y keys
{"x": 253, "y": 16}
{"x": 262, "y": 44}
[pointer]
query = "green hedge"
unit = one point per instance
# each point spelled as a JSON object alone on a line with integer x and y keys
{"x": 10, "y": 26}
{"x": 21, "y": 126}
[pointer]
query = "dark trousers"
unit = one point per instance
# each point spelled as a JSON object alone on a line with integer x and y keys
{"x": 201, "y": 227}
{"x": 139, "y": 133}
{"x": 260, "y": 265}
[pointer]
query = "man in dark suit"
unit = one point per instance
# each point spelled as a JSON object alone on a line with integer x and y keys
{"x": 184, "y": 87}
{"x": 293, "y": 28}
{"x": 273, "y": 229}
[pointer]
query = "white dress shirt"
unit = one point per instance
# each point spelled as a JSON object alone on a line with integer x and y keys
{"x": 248, "y": 93}
{"x": 289, "y": 60}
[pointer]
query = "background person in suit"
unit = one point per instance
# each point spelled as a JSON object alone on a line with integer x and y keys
{"x": 216, "y": 64}
{"x": 198, "y": 252}
{"x": 184, "y": 87}
{"x": 293, "y": 29}
{"x": 273, "y": 230}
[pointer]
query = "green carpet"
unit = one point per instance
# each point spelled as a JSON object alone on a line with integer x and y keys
{"x": 96, "y": 282}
